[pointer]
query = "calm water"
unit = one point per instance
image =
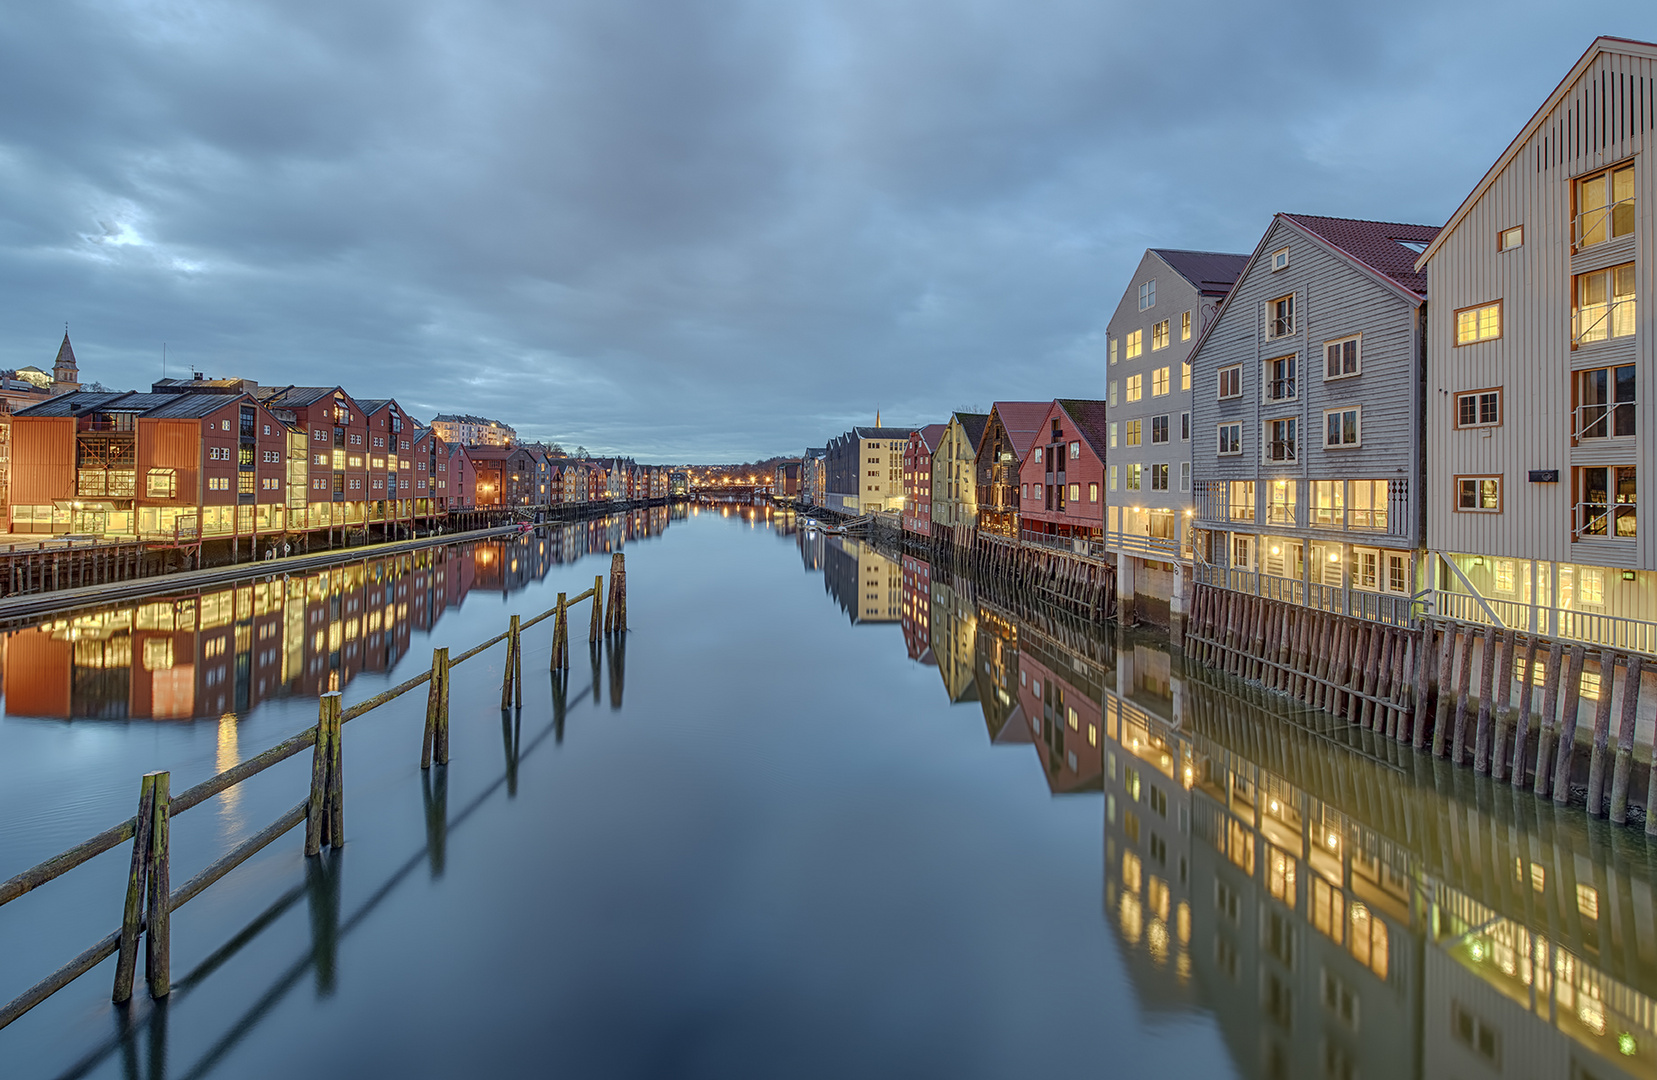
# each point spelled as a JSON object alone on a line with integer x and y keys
{"x": 829, "y": 812}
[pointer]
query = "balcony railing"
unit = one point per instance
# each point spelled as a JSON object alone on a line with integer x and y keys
{"x": 1602, "y": 322}
{"x": 1594, "y": 628}
{"x": 1390, "y": 608}
{"x": 1604, "y": 421}
{"x": 1281, "y": 389}
{"x": 1614, "y": 521}
{"x": 1280, "y": 450}
{"x": 1598, "y": 224}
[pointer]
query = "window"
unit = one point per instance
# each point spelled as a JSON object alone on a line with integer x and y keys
{"x": 1131, "y": 436}
{"x": 1093, "y": 492}
{"x": 1280, "y": 379}
{"x": 1133, "y": 474}
{"x": 1075, "y": 492}
{"x": 1280, "y": 260}
{"x": 1481, "y": 323}
{"x": 1605, "y": 402}
{"x": 1605, "y": 501}
{"x": 218, "y": 483}
{"x": 1592, "y": 591}
{"x": 1240, "y": 500}
{"x": 1508, "y": 239}
{"x": 244, "y": 483}
{"x": 1605, "y": 206}
{"x": 1367, "y": 505}
{"x": 1184, "y": 427}
{"x": 1113, "y": 477}
{"x": 1604, "y": 307}
{"x": 224, "y": 425}
{"x": 1475, "y": 1034}
{"x": 1280, "y": 505}
{"x": 1112, "y": 349}
{"x": 1136, "y": 387}
{"x": 1340, "y": 427}
{"x": 1147, "y": 296}
{"x": 1136, "y": 343}
{"x": 1341, "y": 358}
{"x": 1231, "y": 438}
{"x": 1329, "y": 503}
{"x": 1280, "y": 439}
{"x": 1159, "y": 429}
{"x": 1280, "y": 317}
{"x": 1480, "y": 494}
{"x": 1159, "y": 382}
{"x": 1112, "y": 427}
{"x": 1113, "y": 393}
{"x": 1075, "y": 450}
{"x": 160, "y": 483}
{"x": 1159, "y": 478}
{"x": 1231, "y": 381}
{"x": 1481, "y": 408}
{"x": 1159, "y": 336}
{"x": 1185, "y": 476}
{"x": 1240, "y": 546}
{"x": 1185, "y": 327}
{"x": 1397, "y": 577}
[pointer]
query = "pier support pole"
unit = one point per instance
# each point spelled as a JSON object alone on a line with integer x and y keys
{"x": 508, "y": 668}
{"x": 437, "y": 711}
{"x": 324, "y": 820}
{"x": 1625, "y": 740}
{"x": 158, "y": 935}
{"x": 132, "y": 914}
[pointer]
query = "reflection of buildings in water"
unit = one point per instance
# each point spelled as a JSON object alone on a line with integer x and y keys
{"x": 954, "y": 636}
{"x": 866, "y": 584}
{"x": 1060, "y": 696}
{"x": 813, "y": 546}
{"x": 917, "y": 609}
{"x": 224, "y": 651}
{"x": 995, "y": 672}
{"x": 1354, "y": 919}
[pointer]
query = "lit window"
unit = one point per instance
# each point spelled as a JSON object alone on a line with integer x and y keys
{"x": 1159, "y": 382}
{"x": 1159, "y": 335}
{"x": 1185, "y": 327}
{"x": 1481, "y": 494}
{"x": 1136, "y": 387}
{"x": 1185, "y": 476}
{"x": 1132, "y": 434}
{"x": 1113, "y": 477}
{"x": 159, "y": 483}
{"x": 1113, "y": 386}
{"x": 1481, "y": 323}
{"x": 1604, "y": 307}
{"x": 1075, "y": 492}
{"x": 1604, "y": 206}
{"x": 1185, "y": 375}
{"x": 1133, "y": 474}
{"x": 1135, "y": 343}
{"x": 1112, "y": 434}
{"x": 1093, "y": 492}
{"x": 1606, "y": 501}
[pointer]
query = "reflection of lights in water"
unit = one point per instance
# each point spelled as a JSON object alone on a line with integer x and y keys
{"x": 1477, "y": 950}
{"x": 1182, "y": 965}
{"x": 1626, "y": 1045}
{"x": 1132, "y": 916}
{"x": 1591, "y": 1012}
{"x": 229, "y": 755}
{"x": 1156, "y": 938}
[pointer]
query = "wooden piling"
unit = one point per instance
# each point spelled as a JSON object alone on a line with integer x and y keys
{"x": 1504, "y": 714}
{"x": 508, "y": 668}
{"x": 1602, "y": 733}
{"x": 1550, "y": 696}
{"x": 1625, "y": 740}
{"x": 1446, "y": 688}
{"x": 596, "y": 629}
{"x": 1565, "y": 751}
{"x": 158, "y": 929}
{"x": 132, "y": 913}
{"x": 1487, "y": 686}
{"x": 1464, "y": 683}
{"x": 1548, "y": 737}
{"x": 437, "y": 702}
{"x": 322, "y": 808}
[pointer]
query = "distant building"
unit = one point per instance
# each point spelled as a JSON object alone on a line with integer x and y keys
{"x": 954, "y": 494}
{"x": 469, "y": 430}
{"x": 1012, "y": 430}
{"x": 66, "y": 377}
{"x": 865, "y": 470}
{"x": 814, "y": 476}
{"x": 786, "y": 481}
{"x": 1062, "y": 483}
{"x": 917, "y": 478}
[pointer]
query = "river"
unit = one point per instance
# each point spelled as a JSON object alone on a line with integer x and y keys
{"x": 827, "y": 811}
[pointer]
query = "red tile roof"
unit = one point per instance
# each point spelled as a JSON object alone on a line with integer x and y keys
{"x": 931, "y": 433}
{"x": 1089, "y": 418}
{"x": 1379, "y": 245}
{"x": 1022, "y": 420}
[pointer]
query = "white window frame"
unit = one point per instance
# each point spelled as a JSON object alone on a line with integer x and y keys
{"x": 1185, "y": 476}
{"x": 1185, "y": 327}
{"x": 1147, "y": 295}
{"x": 1220, "y": 394}
{"x": 1358, "y": 425}
{"x": 1219, "y": 440}
{"x": 1503, "y": 234}
{"x": 1165, "y": 376}
{"x": 1266, "y": 440}
{"x": 1358, "y": 349}
{"x": 1476, "y": 394}
{"x": 1280, "y": 259}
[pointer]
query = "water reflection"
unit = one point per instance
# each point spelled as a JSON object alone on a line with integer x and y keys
{"x": 222, "y": 652}
{"x": 1337, "y": 903}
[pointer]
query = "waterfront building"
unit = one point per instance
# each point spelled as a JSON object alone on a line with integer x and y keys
{"x": 334, "y": 433}
{"x": 1169, "y": 302}
{"x": 1541, "y": 366}
{"x": 678, "y": 482}
{"x": 390, "y": 461}
{"x": 1061, "y": 484}
{"x": 1309, "y": 388}
{"x": 469, "y": 430}
{"x": 953, "y": 635}
{"x": 1012, "y": 429}
{"x": 954, "y": 492}
{"x": 865, "y": 470}
{"x": 506, "y": 476}
{"x": 785, "y": 482}
{"x": 161, "y": 466}
{"x": 917, "y": 478}
{"x": 814, "y": 476}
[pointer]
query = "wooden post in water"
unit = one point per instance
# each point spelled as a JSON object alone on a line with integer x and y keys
{"x": 507, "y": 668}
{"x": 1446, "y": 690}
{"x": 437, "y": 701}
{"x": 132, "y": 914}
{"x": 594, "y": 631}
{"x": 1602, "y": 733}
{"x": 323, "y": 808}
{"x": 1625, "y": 740}
{"x": 1552, "y": 737}
{"x": 158, "y": 934}
{"x": 1521, "y": 728}
{"x": 1565, "y": 752}
{"x": 440, "y": 741}
{"x": 1504, "y": 715}
{"x": 1464, "y": 683}
{"x": 1487, "y": 686}
{"x": 560, "y": 636}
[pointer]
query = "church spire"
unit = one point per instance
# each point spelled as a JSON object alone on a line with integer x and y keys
{"x": 65, "y": 374}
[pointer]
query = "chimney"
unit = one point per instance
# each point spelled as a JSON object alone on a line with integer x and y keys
{"x": 199, "y": 376}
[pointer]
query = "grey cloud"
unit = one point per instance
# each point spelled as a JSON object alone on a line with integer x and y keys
{"x": 707, "y": 229}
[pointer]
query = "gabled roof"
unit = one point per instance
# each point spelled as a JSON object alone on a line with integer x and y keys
{"x": 1021, "y": 420}
{"x": 881, "y": 432}
{"x": 296, "y": 397}
{"x": 1602, "y": 44}
{"x": 189, "y": 406}
{"x": 83, "y": 401}
{"x": 149, "y": 405}
{"x": 1211, "y": 273}
{"x": 1374, "y": 244}
{"x": 974, "y": 423}
{"x": 1089, "y": 417}
{"x": 370, "y": 406}
{"x": 931, "y": 434}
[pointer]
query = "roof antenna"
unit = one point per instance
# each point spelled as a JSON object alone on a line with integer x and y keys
{"x": 163, "y": 361}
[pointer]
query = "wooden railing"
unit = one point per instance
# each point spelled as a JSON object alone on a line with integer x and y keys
{"x": 150, "y": 900}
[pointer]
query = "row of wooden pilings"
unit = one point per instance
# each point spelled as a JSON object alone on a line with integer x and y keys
{"x": 150, "y": 899}
{"x": 1414, "y": 684}
{"x": 1084, "y": 586}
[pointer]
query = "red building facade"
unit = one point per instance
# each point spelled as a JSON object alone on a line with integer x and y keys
{"x": 1062, "y": 479}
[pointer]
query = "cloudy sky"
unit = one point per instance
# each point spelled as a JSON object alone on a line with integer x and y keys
{"x": 701, "y": 230}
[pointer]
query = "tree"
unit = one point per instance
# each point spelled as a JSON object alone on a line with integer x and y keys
{"x": 555, "y": 448}
{"x": 580, "y": 451}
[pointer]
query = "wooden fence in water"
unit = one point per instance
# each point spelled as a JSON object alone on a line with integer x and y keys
{"x": 150, "y": 900}
{"x": 1415, "y": 684}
